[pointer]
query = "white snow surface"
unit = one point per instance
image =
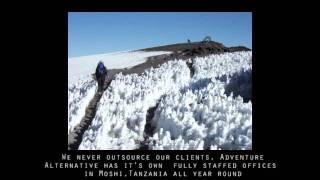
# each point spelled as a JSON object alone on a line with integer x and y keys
{"x": 193, "y": 113}
{"x": 81, "y": 86}
{"x": 81, "y": 67}
{"x": 121, "y": 116}
{"x": 79, "y": 95}
{"x": 202, "y": 116}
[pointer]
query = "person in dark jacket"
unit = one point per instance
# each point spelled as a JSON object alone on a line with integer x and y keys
{"x": 101, "y": 73}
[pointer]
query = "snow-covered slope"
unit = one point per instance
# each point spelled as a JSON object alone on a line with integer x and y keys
{"x": 193, "y": 113}
{"x": 79, "y": 95}
{"x": 81, "y": 86}
{"x": 81, "y": 67}
{"x": 201, "y": 116}
{"x": 121, "y": 115}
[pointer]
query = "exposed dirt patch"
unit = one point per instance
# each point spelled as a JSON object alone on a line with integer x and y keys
{"x": 148, "y": 129}
{"x": 75, "y": 137}
{"x": 241, "y": 85}
{"x": 190, "y": 66}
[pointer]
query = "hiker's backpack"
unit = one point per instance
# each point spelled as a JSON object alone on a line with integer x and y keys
{"x": 101, "y": 69}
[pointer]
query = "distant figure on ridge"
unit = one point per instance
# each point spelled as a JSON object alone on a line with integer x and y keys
{"x": 207, "y": 39}
{"x": 101, "y": 72}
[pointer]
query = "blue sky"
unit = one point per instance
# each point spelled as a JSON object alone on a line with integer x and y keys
{"x": 94, "y": 33}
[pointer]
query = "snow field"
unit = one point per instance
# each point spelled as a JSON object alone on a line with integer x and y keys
{"x": 81, "y": 86}
{"x": 202, "y": 116}
{"x": 202, "y": 112}
{"x": 79, "y": 95}
{"x": 121, "y": 115}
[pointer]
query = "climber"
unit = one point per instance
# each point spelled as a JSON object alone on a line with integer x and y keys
{"x": 101, "y": 73}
